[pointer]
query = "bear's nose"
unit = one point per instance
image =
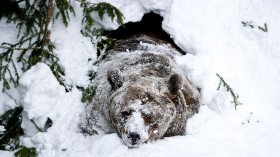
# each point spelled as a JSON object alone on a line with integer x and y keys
{"x": 133, "y": 137}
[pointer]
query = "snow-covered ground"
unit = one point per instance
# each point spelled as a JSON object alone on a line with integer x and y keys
{"x": 248, "y": 59}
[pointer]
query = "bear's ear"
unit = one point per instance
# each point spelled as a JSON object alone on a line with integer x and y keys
{"x": 175, "y": 83}
{"x": 115, "y": 78}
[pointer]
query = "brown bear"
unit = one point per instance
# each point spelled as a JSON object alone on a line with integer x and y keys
{"x": 141, "y": 94}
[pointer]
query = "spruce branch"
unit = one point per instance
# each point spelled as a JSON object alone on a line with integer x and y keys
{"x": 11, "y": 120}
{"x": 264, "y": 29}
{"x": 34, "y": 43}
{"x": 230, "y": 90}
{"x": 26, "y": 152}
{"x": 8, "y": 70}
{"x": 88, "y": 94}
{"x": 18, "y": 48}
{"x": 103, "y": 43}
{"x": 65, "y": 8}
{"x": 101, "y": 8}
{"x": 247, "y": 23}
{"x": 251, "y": 25}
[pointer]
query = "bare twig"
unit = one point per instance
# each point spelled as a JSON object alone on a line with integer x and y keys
{"x": 47, "y": 33}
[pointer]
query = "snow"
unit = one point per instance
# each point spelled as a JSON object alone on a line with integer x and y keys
{"x": 7, "y": 99}
{"x": 73, "y": 50}
{"x": 248, "y": 59}
{"x": 6, "y": 153}
{"x": 45, "y": 98}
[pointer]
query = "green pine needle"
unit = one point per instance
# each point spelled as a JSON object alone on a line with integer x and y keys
{"x": 26, "y": 152}
{"x": 230, "y": 90}
{"x": 32, "y": 24}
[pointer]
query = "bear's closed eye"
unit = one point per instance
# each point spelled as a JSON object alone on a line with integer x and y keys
{"x": 126, "y": 114}
{"x": 147, "y": 118}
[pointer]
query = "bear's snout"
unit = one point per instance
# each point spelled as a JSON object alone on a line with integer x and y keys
{"x": 135, "y": 132}
{"x": 134, "y": 137}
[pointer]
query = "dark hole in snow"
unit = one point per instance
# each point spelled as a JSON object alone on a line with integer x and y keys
{"x": 48, "y": 124}
{"x": 150, "y": 25}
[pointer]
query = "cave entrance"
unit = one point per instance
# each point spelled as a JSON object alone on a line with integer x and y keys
{"x": 150, "y": 25}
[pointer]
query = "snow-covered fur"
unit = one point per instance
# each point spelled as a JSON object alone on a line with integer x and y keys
{"x": 143, "y": 95}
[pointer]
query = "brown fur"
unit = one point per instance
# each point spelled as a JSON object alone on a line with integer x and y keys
{"x": 143, "y": 96}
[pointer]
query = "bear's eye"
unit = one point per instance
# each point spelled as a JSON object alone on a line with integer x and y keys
{"x": 147, "y": 118}
{"x": 154, "y": 127}
{"x": 125, "y": 114}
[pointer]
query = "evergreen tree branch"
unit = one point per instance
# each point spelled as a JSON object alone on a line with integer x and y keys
{"x": 33, "y": 30}
{"x": 64, "y": 7}
{"x": 230, "y": 90}
{"x": 101, "y": 8}
{"x": 26, "y": 152}
{"x": 251, "y": 25}
{"x": 18, "y": 48}
{"x": 264, "y": 29}
{"x": 103, "y": 43}
{"x": 11, "y": 120}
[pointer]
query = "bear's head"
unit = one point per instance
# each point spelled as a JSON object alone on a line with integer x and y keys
{"x": 138, "y": 112}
